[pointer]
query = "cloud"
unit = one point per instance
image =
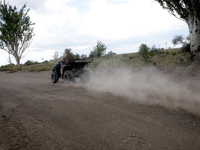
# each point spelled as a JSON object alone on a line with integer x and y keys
{"x": 121, "y": 24}
{"x": 33, "y": 4}
{"x": 127, "y": 19}
{"x": 3, "y": 58}
{"x": 58, "y": 22}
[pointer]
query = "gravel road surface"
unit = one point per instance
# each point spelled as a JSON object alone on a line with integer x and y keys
{"x": 39, "y": 115}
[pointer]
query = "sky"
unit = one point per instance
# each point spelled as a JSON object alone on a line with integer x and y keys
{"x": 122, "y": 25}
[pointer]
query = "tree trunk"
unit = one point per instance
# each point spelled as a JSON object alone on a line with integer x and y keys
{"x": 194, "y": 33}
{"x": 18, "y": 63}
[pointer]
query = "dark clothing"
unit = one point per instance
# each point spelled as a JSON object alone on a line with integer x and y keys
{"x": 67, "y": 58}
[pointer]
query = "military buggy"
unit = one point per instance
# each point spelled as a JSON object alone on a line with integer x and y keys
{"x": 70, "y": 71}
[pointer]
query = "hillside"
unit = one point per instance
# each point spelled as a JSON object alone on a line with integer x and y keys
{"x": 163, "y": 58}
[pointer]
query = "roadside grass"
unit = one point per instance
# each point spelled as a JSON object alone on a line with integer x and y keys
{"x": 39, "y": 67}
{"x": 163, "y": 58}
{"x": 120, "y": 60}
{"x": 10, "y": 67}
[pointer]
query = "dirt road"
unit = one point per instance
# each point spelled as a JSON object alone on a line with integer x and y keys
{"x": 39, "y": 115}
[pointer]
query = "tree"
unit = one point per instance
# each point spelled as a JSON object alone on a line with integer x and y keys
{"x": 99, "y": 50}
{"x": 185, "y": 42}
{"x": 178, "y": 39}
{"x": 15, "y": 30}
{"x": 77, "y": 56}
{"x": 92, "y": 54}
{"x": 110, "y": 54}
{"x": 188, "y": 11}
{"x": 83, "y": 56}
{"x": 154, "y": 49}
{"x": 55, "y": 56}
{"x": 145, "y": 53}
{"x": 29, "y": 62}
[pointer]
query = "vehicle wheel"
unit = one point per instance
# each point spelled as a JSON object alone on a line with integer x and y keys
{"x": 54, "y": 78}
{"x": 85, "y": 76}
{"x": 68, "y": 76}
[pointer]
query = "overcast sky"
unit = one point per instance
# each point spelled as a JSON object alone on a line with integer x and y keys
{"x": 122, "y": 25}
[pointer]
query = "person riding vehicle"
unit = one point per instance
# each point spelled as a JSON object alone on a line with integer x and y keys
{"x": 69, "y": 68}
{"x": 68, "y": 57}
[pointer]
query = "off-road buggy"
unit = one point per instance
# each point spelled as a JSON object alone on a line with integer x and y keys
{"x": 70, "y": 71}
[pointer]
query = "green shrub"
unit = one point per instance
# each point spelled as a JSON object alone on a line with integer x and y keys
{"x": 145, "y": 53}
{"x": 131, "y": 57}
{"x": 183, "y": 59}
{"x": 10, "y": 67}
{"x": 173, "y": 53}
{"x": 29, "y": 62}
{"x": 185, "y": 48}
{"x": 110, "y": 54}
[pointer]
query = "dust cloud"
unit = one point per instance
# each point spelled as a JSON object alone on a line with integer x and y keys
{"x": 175, "y": 89}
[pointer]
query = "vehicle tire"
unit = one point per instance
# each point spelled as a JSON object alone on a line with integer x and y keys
{"x": 68, "y": 76}
{"x": 54, "y": 78}
{"x": 85, "y": 76}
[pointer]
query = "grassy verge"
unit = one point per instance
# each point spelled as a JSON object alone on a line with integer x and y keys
{"x": 40, "y": 67}
{"x": 11, "y": 68}
{"x": 164, "y": 58}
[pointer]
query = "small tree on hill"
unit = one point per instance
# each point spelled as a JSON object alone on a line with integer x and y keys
{"x": 99, "y": 50}
{"x": 77, "y": 56}
{"x": 92, "y": 54}
{"x": 185, "y": 42}
{"x": 145, "y": 53}
{"x": 83, "y": 56}
{"x": 55, "y": 56}
{"x": 15, "y": 30}
{"x": 110, "y": 54}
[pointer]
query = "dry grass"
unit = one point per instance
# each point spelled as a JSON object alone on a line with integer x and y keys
{"x": 39, "y": 67}
{"x": 165, "y": 58}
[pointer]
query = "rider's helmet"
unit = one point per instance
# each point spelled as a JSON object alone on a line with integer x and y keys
{"x": 67, "y": 50}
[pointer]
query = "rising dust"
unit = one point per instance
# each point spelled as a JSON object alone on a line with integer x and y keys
{"x": 174, "y": 88}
